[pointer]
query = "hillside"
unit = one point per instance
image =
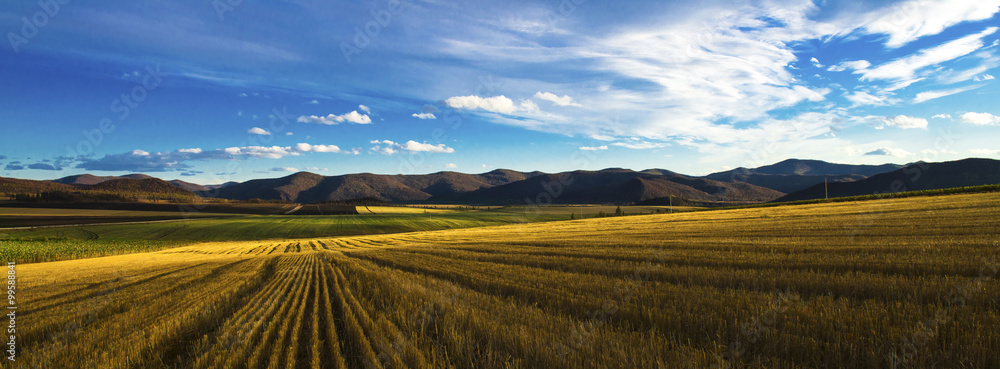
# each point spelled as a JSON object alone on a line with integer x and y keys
{"x": 113, "y": 190}
{"x": 10, "y": 186}
{"x": 307, "y": 187}
{"x": 611, "y": 186}
{"x": 90, "y": 179}
{"x": 795, "y": 174}
{"x": 915, "y": 177}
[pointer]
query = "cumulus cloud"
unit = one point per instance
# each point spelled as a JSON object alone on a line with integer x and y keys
{"x": 593, "y": 148}
{"x": 888, "y": 151}
{"x": 424, "y": 115}
{"x": 388, "y": 147}
{"x": 451, "y": 166}
{"x": 13, "y": 166}
{"x": 942, "y": 116}
{"x": 304, "y": 147}
{"x": 414, "y": 146}
{"x": 258, "y": 131}
{"x": 332, "y": 119}
{"x": 496, "y": 104}
{"x": 815, "y": 62}
{"x": 551, "y": 97}
{"x": 365, "y": 109}
{"x": 980, "y": 119}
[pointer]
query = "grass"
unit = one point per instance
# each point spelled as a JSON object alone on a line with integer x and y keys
{"x": 878, "y": 284}
{"x": 50, "y": 244}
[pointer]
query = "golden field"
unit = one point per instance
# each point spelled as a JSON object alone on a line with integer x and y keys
{"x": 876, "y": 284}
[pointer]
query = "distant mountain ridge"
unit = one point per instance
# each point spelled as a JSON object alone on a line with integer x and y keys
{"x": 796, "y": 174}
{"x": 788, "y": 180}
{"x": 305, "y": 187}
{"x": 611, "y": 186}
{"x": 914, "y": 177}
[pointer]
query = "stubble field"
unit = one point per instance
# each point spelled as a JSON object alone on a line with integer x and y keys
{"x": 880, "y": 284}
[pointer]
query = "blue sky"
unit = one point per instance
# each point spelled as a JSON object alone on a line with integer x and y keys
{"x": 214, "y": 91}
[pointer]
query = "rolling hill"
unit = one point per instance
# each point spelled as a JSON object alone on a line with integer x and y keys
{"x": 611, "y": 186}
{"x": 914, "y": 177}
{"x": 305, "y": 187}
{"x": 124, "y": 188}
{"x": 796, "y": 174}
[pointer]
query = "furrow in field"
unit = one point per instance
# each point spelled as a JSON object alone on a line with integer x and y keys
{"x": 359, "y": 352}
{"x": 264, "y": 353}
{"x": 334, "y": 353}
{"x": 241, "y": 330}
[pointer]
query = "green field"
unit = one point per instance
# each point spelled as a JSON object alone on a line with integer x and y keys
{"x": 48, "y": 244}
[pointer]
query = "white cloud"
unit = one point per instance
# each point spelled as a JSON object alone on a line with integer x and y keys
{"x": 863, "y": 98}
{"x": 451, "y": 166}
{"x": 942, "y": 116}
{"x": 352, "y": 117}
{"x": 313, "y": 102}
{"x": 317, "y": 169}
{"x": 388, "y": 147}
{"x": 888, "y": 151}
{"x": 593, "y": 148}
{"x": 904, "y": 122}
{"x": 815, "y": 62}
{"x": 284, "y": 169}
{"x": 980, "y": 119}
{"x": 855, "y": 65}
{"x": 496, "y": 104}
{"x": 906, "y": 68}
{"x": 273, "y": 152}
{"x": 424, "y": 115}
{"x": 931, "y": 95}
{"x": 984, "y": 152}
{"x": 258, "y": 131}
{"x": 909, "y": 20}
{"x": 365, "y": 109}
{"x": 641, "y": 145}
{"x": 139, "y": 153}
{"x": 561, "y": 101}
{"x": 983, "y": 78}
{"x": 414, "y": 146}
{"x": 304, "y": 147}
{"x": 190, "y": 151}
{"x": 288, "y": 133}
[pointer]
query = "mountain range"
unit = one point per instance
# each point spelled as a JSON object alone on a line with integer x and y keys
{"x": 788, "y": 180}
